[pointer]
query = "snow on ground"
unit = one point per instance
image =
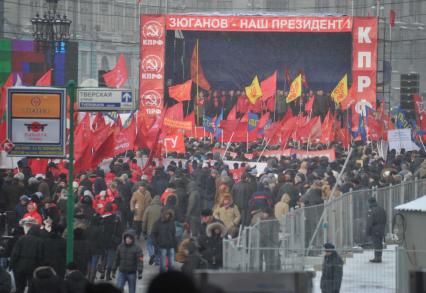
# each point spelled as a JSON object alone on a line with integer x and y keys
{"x": 359, "y": 275}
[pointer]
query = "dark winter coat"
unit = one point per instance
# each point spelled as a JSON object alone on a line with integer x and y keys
{"x": 94, "y": 236}
{"x": 75, "y": 282}
{"x": 208, "y": 188}
{"x": 312, "y": 197}
{"x": 241, "y": 193}
{"x": 214, "y": 252}
{"x": 164, "y": 231}
{"x": 112, "y": 229}
{"x": 99, "y": 185}
{"x": 54, "y": 248}
{"x": 5, "y": 281}
{"x": 13, "y": 191}
{"x": 194, "y": 201}
{"x": 27, "y": 254}
{"x": 129, "y": 258}
{"x": 261, "y": 199}
{"x": 159, "y": 183}
{"x": 376, "y": 221}
{"x": 332, "y": 273}
{"x": 152, "y": 215}
{"x": 291, "y": 190}
{"x": 82, "y": 251}
{"x": 45, "y": 280}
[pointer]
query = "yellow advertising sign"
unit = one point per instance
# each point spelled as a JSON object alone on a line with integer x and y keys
{"x": 32, "y": 105}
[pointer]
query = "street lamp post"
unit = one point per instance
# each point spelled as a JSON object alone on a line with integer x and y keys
{"x": 51, "y": 32}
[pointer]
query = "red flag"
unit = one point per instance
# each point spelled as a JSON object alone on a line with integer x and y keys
{"x": 175, "y": 112}
{"x": 99, "y": 121}
{"x": 392, "y": 15}
{"x": 244, "y": 118}
{"x": 155, "y": 130}
{"x": 142, "y": 131}
{"x": 46, "y": 79}
{"x": 38, "y": 166}
{"x": 3, "y": 95}
{"x": 309, "y": 104}
{"x": 175, "y": 143}
{"x": 374, "y": 129}
{"x": 349, "y": 101}
{"x": 3, "y": 102}
{"x": 117, "y": 77}
{"x": 269, "y": 86}
{"x": 305, "y": 132}
{"x": 83, "y": 145}
{"x": 327, "y": 135}
{"x": 342, "y": 134}
{"x": 263, "y": 120}
{"x": 232, "y": 115}
{"x": 104, "y": 144}
{"x": 197, "y": 73}
{"x": 125, "y": 138}
{"x": 270, "y": 104}
{"x": 181, "y": 92}
{"x": 229, "y": 125}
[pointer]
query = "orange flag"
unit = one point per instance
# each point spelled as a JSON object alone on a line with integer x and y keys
{"x": 181, "y": 92}
{"x": 46, "y": 79}
{"x": 197, "y": 73}
{"x": 117, "y": 77}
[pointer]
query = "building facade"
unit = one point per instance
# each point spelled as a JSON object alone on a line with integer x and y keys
{"x": 106, "y": 28}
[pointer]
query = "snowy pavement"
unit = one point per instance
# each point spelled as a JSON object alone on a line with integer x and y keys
{"x": 359, "y": 275}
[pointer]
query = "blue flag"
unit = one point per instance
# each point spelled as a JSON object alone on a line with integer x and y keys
{"x": 217, "y": 123}
{"x": 208, "y": 124}
{"x": 267, "y": 125}
{"x": 253, "y": 119}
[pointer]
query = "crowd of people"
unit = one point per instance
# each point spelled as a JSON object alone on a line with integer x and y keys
{"x": 180, "y": 213}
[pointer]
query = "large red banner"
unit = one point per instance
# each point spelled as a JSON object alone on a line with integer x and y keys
{"x": 259, "y": 23}
{"x": 153, "y": 31}
{"x": 151, "y": 73}
{"x": 364, "y": 62}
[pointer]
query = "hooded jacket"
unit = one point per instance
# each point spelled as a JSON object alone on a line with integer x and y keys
{"x": 164, "y": 231}
{"x": 45, "y": 280}
{"x": 332, "y": 273}
{"x": 129, "y": 258}
{"x": 229, "y": 215}
{"x": 151, "y": 215}
{"x": 194, "y": 201}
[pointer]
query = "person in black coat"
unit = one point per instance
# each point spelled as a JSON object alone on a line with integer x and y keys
{"x": 112, "y": 230}
{"x": 159, "y": 182}
{"x": 74, "y": 282}
{"x": 45, "y": 280}
{"x": 164, "y": 236}
{"x": 82, "y": 250}
{"x": 376, "y": 223}
{"x": 54, "y": 251}
{"x": 332, "y": 270}
{"x": 214, "y": 252}
{"x": 27, "y": 254}
{"x": 100, "y": 183}
{"x": 241, "y": 193}
{"x": 94, "y": 236}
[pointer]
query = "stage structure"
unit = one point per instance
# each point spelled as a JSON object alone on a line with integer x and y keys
{"x": 335, "y": 45}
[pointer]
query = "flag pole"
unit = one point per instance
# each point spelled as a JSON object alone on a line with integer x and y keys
{"x": 261, "y": 154}
{"x": 247, "y": 141}
{"x": 228, "y": 144}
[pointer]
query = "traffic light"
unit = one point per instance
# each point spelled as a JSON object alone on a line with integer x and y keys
{"x": 409, "y": 87}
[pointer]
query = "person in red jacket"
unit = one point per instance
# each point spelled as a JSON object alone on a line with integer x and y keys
{"x": 100, "y": 202}
{"x": 33, "y": 213}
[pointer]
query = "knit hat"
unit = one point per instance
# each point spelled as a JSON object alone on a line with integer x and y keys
{"x": 206, "y": 213}
{"x": 25, "y": 198}
{"x": 329, "y": 247}
{"x": 20, "y": 176}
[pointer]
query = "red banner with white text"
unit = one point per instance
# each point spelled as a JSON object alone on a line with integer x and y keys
{"x": 151, "y": 70}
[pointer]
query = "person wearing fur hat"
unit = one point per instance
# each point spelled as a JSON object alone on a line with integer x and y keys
{"x": 164, "y": 236}
{"x": 214, "y": 252}
{"x": 229, "y": 214}
{"x": 282, "y": 207}
{"x": 45, "y": 280}
{"x": 332, "y": 270}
